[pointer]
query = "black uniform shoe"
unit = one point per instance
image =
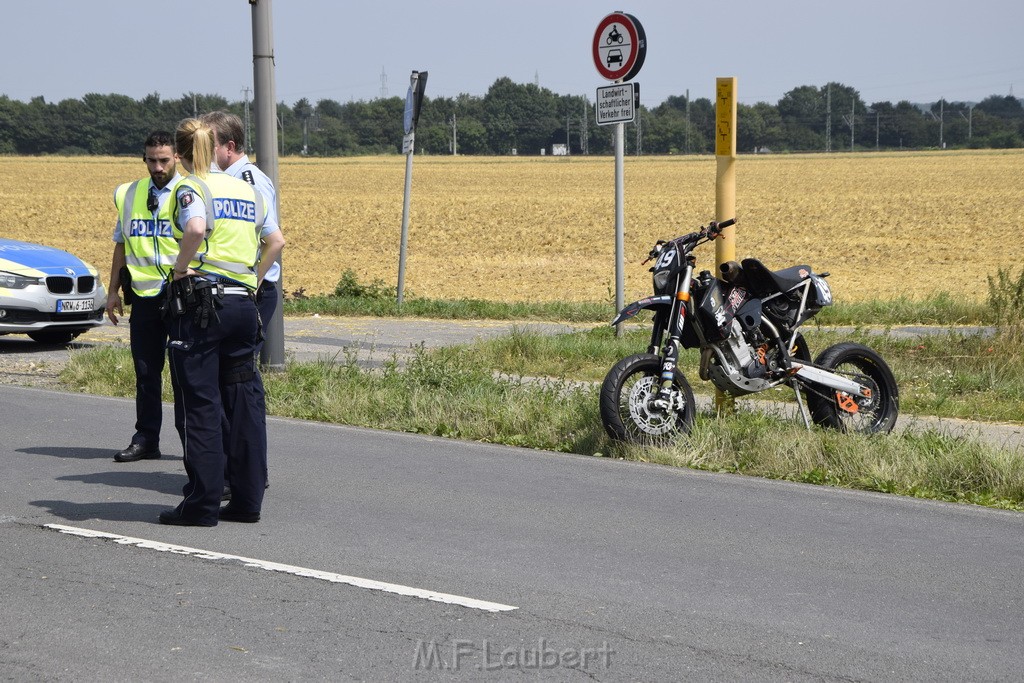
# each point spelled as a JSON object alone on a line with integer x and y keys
{"x": 136, "y": 451}
{"x": 229, "y": 515}
{"x": 174, "y": 517}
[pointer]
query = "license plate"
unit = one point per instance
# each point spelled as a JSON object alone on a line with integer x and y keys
{"x": 74, "y": 305}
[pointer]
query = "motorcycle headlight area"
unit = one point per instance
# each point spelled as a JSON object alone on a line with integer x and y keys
{"x": 662, "y": 282}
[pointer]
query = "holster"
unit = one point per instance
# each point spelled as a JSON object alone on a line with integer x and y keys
{"x": 208, "y": 296}
{"x": 179, "y": 298}
{"x": 127, "y": 294}
{"x": 196, "y": 296}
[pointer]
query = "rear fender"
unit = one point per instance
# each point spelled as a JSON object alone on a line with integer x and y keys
{"x": 651, "y": 302}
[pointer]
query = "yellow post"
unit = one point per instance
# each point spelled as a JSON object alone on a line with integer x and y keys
{"x": 725, "y": 190}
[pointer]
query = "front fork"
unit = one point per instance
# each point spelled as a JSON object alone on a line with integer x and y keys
{"x": 670, "y": 354}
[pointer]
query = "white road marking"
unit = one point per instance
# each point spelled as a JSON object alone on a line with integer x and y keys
{"x": 370, "y": 584}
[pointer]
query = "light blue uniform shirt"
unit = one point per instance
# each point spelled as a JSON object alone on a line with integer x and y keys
{"x": 162, "y": 195}
{"x": 250, "y": 173}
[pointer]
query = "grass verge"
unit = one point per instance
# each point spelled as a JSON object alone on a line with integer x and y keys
{"x": 455, "y": 393}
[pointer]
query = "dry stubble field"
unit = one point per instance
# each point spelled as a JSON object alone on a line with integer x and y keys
{"x": 538, "y": 229}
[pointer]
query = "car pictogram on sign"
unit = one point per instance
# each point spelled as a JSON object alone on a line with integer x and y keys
{"x": 614, "y": 57}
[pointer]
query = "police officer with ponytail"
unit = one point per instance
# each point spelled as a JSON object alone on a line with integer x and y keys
{"x": 213, "y": 328}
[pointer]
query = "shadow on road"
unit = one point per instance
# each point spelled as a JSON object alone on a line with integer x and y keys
{"x": 81, "y": 453}
{"x": 111, "y": 512}
{"x": 161, "y": 482}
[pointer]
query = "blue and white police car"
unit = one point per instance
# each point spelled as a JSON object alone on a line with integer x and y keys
{"x": 48, "y": 294}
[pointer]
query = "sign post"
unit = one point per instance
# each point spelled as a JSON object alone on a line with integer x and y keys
{"x": 619, "y": 50}
{"x": 725, "y": 190}
{"x": 413, "y": 102}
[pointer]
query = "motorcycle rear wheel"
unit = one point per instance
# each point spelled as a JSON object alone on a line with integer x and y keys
{"x": 874, "y": 415}
{"x": 625, "y": 403}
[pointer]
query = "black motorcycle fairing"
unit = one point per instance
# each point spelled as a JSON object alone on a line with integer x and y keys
{"x": 749, "y": 315}
{"x": 717, "y": 304}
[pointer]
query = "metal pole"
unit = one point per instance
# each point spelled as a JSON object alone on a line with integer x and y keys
{"x": 417, "y": 82}
{"x": 272, "y": 354}
{"x": 620, "y": 248}
{"x": 405, "y": 227}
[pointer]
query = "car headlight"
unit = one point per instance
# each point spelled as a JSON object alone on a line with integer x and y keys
{"x": 15, "y": 281}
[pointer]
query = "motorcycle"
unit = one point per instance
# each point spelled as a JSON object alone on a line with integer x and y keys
{"x": 746, "y": 324}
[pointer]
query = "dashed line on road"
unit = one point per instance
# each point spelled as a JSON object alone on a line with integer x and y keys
{"x": 331, "y": 577}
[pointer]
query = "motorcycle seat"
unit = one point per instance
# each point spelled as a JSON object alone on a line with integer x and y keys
{"x": 762, "y": 281}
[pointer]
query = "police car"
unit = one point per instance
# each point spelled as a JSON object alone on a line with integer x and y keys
{"x": 48, "y": 294}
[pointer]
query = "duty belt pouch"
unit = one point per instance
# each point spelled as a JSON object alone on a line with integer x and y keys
{"x": 127, "y": 295}
{"x": 181, "y": 298}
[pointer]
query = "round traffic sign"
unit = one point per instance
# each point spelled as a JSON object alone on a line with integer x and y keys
{"x": 620, "y": 46}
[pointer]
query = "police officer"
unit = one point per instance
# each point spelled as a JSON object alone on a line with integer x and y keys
{"x": 230, "y": 157}
{"x": 144, "y": 249}
{"x": 212, "y": 329}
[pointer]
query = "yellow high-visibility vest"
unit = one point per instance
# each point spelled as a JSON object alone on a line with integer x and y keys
{"x": 149, "y": 244}
{"x": 235, "y": 212}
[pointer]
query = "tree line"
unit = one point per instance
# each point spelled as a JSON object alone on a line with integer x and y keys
{"x": 516, "y": 118}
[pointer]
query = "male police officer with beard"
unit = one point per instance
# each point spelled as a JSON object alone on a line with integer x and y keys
{"x": 144, "y": 250}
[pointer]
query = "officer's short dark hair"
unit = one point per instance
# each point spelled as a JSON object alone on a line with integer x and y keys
{"x": 160, "y": 138}
{"x": 227, "y": 127}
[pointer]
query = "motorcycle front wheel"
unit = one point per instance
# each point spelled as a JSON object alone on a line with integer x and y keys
{"x": 836, "y": 410}
{"x": 626, "y": 409}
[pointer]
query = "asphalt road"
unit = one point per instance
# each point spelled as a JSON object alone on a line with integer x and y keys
{"x": 616, "y": 570}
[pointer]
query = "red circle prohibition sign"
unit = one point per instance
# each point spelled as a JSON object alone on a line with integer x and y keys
{"x": 619, "y": 47}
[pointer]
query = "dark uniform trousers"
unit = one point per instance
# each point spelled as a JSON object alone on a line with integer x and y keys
{"x": 217, "y": 413}
{"x": 149, "y": 349}
{"x": 266, "y": 302}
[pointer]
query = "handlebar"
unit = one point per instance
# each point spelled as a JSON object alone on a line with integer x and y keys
{"x": 707, "y": 233}
{"x": 726, "y": 224}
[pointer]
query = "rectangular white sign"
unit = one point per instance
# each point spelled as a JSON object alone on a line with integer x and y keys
{"x": 617, "y": 103}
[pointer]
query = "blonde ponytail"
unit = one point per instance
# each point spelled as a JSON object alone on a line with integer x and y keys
{"x": 194, "y": 142}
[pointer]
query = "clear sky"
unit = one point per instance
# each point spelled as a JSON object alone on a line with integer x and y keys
{"x": 919, "y": 50}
